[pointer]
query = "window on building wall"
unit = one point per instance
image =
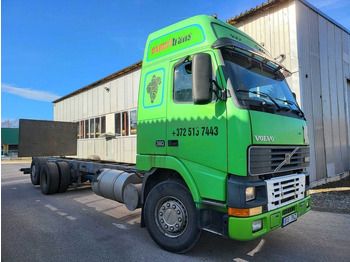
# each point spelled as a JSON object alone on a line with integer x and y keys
{"x": 97, "y": 127}
{"x": 87, "y": 134}
{"x": 81, "y": 130}
{"x": 78, "y": 130}
{"x": 125, "y": 123}
{"x": 117, "y": 120}
{"x": 92, "y": 128}
{"x": 133, "y": 122}
{"x": 103, "y": 124}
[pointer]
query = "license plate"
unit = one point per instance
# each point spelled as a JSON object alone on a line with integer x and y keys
{"x": 289, "y": 219}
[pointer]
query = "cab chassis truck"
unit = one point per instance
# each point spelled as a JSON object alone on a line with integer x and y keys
{"x": 222, "y": 144}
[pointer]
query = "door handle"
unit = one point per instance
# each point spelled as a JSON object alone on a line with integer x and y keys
{"x": 173, "y": 142}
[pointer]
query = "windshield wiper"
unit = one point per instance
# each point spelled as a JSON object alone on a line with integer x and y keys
{"x": 295, "y": 104}
{"x": 261, "y": 94}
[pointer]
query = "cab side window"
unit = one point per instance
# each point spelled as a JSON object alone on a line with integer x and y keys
{"x": 182, "y": 92}
{"x": 183, "y": 83}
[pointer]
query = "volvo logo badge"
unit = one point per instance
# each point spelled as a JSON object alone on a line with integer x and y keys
{"x": 264, "y": 138}
{"x": 287, "y": 158}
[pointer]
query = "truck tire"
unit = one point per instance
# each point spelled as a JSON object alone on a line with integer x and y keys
{"x": 171, "y": 217}
{"x": 64, "y": 176}
{"x": 49, "y": 178}
{"x": 35, "y": 168}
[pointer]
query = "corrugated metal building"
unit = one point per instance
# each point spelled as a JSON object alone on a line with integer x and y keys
{"x": 315, "y": 49}
{"x": 106, "y": 113}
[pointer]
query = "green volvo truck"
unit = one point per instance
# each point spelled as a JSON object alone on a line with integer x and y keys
{"x": 222, "y": 144}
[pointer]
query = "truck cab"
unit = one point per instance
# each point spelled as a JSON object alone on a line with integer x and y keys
{"x": 221, "y": 138}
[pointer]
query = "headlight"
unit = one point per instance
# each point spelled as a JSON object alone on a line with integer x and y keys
{"x": 249, "y": 194}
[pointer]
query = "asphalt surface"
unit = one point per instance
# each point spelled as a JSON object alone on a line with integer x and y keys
{"x": 81, "y": 226}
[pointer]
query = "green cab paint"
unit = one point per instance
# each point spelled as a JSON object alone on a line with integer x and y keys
{"x": 241, "y": 228}
{"x": 276, "y": 130}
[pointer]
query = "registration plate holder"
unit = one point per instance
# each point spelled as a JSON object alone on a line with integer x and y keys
{"x": 289, "y": 219}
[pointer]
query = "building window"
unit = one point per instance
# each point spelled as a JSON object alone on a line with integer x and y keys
{"x": 87, "y": 135}
{"x": 97, "y": 127}
{"x": 133, "y": 122}
{"x": 81, "y": 130}
{"x": 118, "y": 125}
{"x": 78, "y": 130}
{"x": 103, "y": 124}
{"x": 125, "y": 123}
{"x": 92, "y": 128}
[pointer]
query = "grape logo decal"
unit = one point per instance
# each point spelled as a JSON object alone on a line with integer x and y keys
{"x": 152, "y": 87}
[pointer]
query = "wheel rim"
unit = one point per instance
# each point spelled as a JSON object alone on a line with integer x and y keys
{"x": 33, "y": 172}
{"x": 171, "y": 217}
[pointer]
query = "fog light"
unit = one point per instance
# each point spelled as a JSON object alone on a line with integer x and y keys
{"x": 257, "y": 225}
{"x": 249, "y": 194}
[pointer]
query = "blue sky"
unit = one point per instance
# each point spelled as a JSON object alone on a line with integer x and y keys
{"x": 52, "y": 48}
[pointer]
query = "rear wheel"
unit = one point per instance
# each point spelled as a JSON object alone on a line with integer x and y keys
{"x": 35, "y": 168}
{"x": 64, "y": 176}
{"x": 49, "y": 178}
{"x": 171, "y": 217}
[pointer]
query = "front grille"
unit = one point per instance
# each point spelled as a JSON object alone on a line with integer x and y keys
{"x": 266, "y": 160}
{"x": 284, "y": 190}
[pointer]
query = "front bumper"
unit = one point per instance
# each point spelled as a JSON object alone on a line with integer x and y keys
{"x": 241, "y": 228}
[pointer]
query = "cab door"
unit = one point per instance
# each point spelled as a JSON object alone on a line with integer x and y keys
{"x": 197, "y": 134}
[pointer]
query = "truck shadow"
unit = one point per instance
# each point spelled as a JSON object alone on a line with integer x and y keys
{"x": 212, "y": 247}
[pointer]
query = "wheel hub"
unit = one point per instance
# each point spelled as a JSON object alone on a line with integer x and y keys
{"x": 172, "y": 217}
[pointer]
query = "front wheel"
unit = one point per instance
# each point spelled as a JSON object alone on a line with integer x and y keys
{"x": 171, "y": 217}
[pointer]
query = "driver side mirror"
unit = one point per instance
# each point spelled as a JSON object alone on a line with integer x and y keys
{"x": 201, "y": 76}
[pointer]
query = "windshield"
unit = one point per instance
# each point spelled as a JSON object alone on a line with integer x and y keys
{"x": 257, "y": 84}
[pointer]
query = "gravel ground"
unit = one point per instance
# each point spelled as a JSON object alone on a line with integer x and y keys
{"x": 332, "y": 197}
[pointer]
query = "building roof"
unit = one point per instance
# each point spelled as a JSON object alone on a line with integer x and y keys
{"x": 101, "y": 81}
{"x": 272, "y": 3}
{"x": 253, "y": 11}
{"x": 9, "y": 136}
